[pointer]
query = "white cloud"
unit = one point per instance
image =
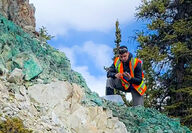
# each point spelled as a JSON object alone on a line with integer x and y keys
{"x": 100, "y": 53}
{"x": 95, "y": 83}
{"x": 84, "y": 15}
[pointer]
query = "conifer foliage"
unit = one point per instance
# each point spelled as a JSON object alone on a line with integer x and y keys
{"x": 118, "y": 39}
{"x": 166, "y": 51}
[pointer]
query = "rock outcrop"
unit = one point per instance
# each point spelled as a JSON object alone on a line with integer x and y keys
{"x": 20, "y": 12}
{"x": 55, "y": 107}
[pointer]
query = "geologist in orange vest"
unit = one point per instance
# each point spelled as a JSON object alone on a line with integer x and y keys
{"x": 126, "y": 75}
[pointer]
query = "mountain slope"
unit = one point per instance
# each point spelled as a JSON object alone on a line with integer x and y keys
{"x": 33, "y": 75}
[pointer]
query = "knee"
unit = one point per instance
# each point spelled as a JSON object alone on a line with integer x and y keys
{"x": 110, "y": 81}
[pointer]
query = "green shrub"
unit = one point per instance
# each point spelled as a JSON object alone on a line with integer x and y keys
{"x": 44, "y": 34}
{"x": 13, "y": 125}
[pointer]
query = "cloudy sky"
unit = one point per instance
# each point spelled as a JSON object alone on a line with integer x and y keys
{"x": 85, "y": 31}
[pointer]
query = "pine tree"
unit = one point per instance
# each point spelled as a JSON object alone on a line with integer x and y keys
{"x": 43, "y": 33}
{"x": 117, "y": 42}
{"x": 118, "y": 39}
{"x": 166, "y": 50}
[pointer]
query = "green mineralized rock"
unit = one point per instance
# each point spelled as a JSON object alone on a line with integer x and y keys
{"x": 31, "y": 69}
{"x": 28, "y": 63}
{"x": 92, "y": 98}
{"x": 138, "y": 119}
{"x": 6, "y": 54}
{"x": 35, "y": 58}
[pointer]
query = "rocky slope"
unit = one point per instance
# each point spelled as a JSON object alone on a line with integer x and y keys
{"x": 38, "y": 86}
{"x": 55, "y": 108}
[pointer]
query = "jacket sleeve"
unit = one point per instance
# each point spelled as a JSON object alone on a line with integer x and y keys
{"x": 137, "y": 75}
{"x": 112, "y": 71}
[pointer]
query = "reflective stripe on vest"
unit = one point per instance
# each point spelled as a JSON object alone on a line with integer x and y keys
{"x": 119, "y": 66}
{"x": 132, "y": 65}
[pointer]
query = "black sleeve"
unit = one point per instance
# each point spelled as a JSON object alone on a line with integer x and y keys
{"x": 137, "y": 75}
{"x": 112, "y": 71}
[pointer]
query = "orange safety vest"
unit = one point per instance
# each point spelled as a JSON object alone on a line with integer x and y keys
{"x": 132, "y": 65}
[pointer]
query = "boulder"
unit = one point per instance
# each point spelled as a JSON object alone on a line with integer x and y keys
{"x": 28, "y": 63}
{"x": 114, "y": 98}
{"x": 32, "y": 68}
{"x": 50, "y": 94}
{"x": 16, "y": 76}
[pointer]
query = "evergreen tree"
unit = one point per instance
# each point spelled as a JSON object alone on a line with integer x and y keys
{"x": 118, "y": 39}
{"x": 117, "y": 42}
{"x": 43, "y": 33}
{"x": 166, "y": 50}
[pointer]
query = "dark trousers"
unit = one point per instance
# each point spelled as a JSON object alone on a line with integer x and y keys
{"x": 116, "y": 84}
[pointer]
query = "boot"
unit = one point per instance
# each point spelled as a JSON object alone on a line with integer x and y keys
{"x": 109, "y": 91}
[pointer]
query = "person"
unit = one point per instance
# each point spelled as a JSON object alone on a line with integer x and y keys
{"x": 126, "y": 75}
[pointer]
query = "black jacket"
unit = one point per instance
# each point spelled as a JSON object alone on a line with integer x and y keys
{"x": 137, "y": 72}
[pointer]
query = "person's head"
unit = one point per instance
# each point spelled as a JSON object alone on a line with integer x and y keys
{"x": 123, "y": 53}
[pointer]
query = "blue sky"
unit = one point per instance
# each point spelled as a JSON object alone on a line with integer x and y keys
{"x": 85, "y": 31}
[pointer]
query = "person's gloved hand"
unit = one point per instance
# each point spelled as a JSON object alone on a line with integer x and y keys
{"x": 118, "y": 75}
{"x": 126, "y": 74}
